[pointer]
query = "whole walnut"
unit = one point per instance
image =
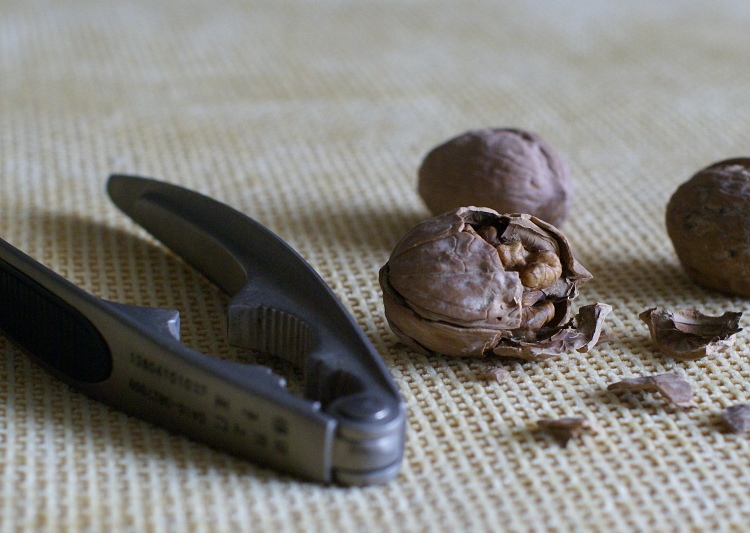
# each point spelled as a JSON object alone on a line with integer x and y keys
{"x": 708, "y": 220}
{"x": 473, "y": 282}
{"x": 508, "y": 170}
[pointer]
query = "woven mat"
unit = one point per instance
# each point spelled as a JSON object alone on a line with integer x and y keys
{"x": 312, "y": 117}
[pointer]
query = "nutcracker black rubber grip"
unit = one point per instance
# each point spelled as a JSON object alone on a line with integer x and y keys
{"x": 50, "y": 330}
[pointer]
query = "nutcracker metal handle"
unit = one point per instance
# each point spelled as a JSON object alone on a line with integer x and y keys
{"x": 347, "y": 428}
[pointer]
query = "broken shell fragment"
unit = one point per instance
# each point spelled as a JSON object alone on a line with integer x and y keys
{"x": 581, "y": 334}
{"x": 737, "y": 417}
{"x": 473, "y": 282}
{"x": 496, "y": 373}
{"x": 688, "y": 334}
{"x": 673, "y": 387}
{"x": 565, "y": 429}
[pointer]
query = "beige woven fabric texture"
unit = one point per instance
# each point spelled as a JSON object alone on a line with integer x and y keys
{"x": 312, "y": 117}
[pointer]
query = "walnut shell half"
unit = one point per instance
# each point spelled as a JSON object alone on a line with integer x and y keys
{"x": 688, "y": 334}
{"x": 472, "y": 282}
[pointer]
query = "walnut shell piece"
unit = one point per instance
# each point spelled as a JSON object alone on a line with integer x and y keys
{"x": 581, "y": 334}
{"x": 468, "y": 283}
{"x": 708, "y": 221}
{"x": 673, "y": 387}
{"x": 506, "y": 169}
{"x": 737, "y": 417}
{"x": 566, "y": 428}
{"x": 496, "y": 373}
{"x": 688, "y": 334}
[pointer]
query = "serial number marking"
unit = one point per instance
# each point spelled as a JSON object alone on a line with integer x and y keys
{"x": 150, "y": 393}
{"x": 193, "y": 414}
{"x": 174, "y": 378}
{"x": 255, "y": 438}
{"x": 166, "y": 402}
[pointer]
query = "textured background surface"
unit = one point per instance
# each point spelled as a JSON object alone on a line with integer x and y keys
{"x": 312, "y": 117}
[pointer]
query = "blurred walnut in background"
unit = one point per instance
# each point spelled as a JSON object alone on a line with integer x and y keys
{"x": 708, "y": 220}
{"x": 508, "y": 170}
